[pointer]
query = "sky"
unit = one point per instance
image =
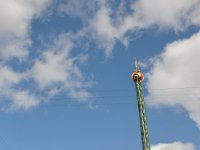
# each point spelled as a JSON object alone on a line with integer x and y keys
{"x": 65, "y": 74}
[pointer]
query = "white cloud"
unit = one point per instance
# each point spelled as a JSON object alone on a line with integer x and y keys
{"x": 174, "y": 146}
{"x": 16, "y": 17}
{"x": 102, "y": 26}
{"x": 23, "y": 100}
{"x": 18, "y": 99}
{"x": 175, "y": 15}
{"x": 173, "y": 71}
{"x": 53, "y": 67}
{"x": 106, "y": 25}
{"x": 57, "y": 70}
{"x": 100, "y": 21}
{"x": 9, "y": 77}
{"x": 80, "y": 8}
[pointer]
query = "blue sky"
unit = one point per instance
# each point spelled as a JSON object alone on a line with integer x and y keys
{"x": 66, "y": 66}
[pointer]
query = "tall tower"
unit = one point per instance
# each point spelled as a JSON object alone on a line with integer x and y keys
{"x": 138, "y": 77}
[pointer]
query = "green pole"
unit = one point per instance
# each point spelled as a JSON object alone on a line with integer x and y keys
{"x": 138, "y": 77}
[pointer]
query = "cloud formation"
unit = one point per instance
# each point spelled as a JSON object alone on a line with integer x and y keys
{"x": 174, "y": 146}
{"x": 176, "y": 73}
{"x": 104, "y": 23}
{"x": 12, "y": 98}
{"x": 15, "y": 25}
{"x": 54, "y": 71}
{"x": 16, "y": 17}
{"x": 176, "y": 15}
{"x": 176, "y": 67}
{"x": 57, "y": 70}
{"x": 107, "y": 23}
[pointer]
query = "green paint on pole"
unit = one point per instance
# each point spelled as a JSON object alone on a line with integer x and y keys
{"x": 138, "y": 77}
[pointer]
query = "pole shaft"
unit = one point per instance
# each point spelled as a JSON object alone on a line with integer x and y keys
{"x": 142, "y": 117}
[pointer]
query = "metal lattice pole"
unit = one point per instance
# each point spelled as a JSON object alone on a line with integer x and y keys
{"x": 138, "y": 77}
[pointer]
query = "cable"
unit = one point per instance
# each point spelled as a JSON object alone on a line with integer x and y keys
{"x": 5, "y": 143}
{"x": 176, "y": 88}
{"x": 127, "y": 90}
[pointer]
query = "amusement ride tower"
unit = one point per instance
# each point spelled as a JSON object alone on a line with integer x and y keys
{"x": 138, "y": 77}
